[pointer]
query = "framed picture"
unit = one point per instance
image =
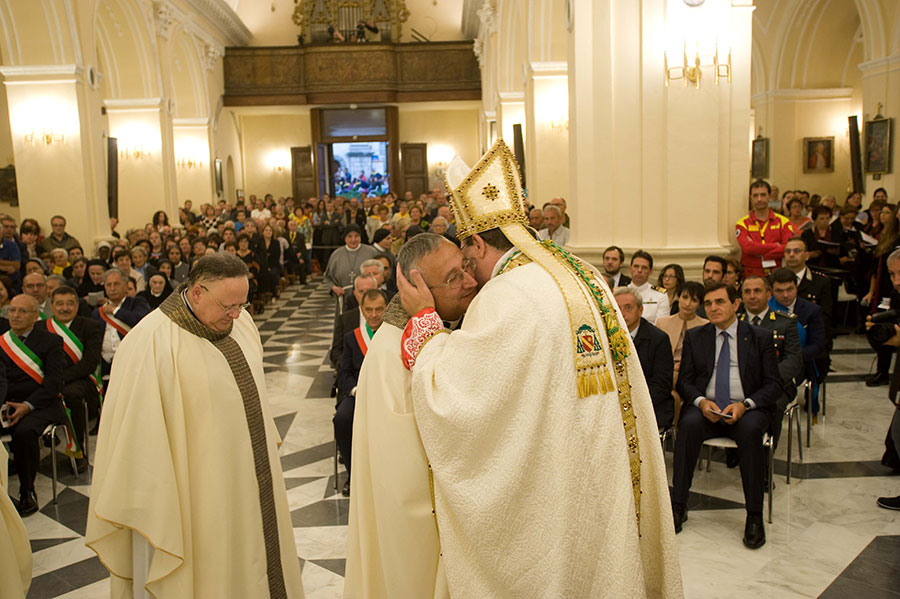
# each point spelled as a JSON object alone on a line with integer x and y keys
{"x": 759, "y": 163}
{"x": 818, "y": 155}
{"x": 878, "y": 146}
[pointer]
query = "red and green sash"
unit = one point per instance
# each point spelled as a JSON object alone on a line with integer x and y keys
{"x": 75, "y": 350}
{"x": 114, "y": 322}
{"x": 33, "y": 366}
{"x": 363, "y": 337}
{"x": 22, "y": 356}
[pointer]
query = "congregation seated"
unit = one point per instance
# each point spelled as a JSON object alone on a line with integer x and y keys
{"x": 676, "y": 327}
{"x": 671, "y": 279}
{"x": 810, "y": 326}
{"x": 349, "y": 319}
{"x": 553, "y": 229}
{"x": 82, "y": 340}
{"x": 613, "y": 261}
{"x": 756, "y": 293}
{"x": 118, "y": 313}
{"x": 654, "y": 353}
{"x": 655, "y": 300}
{"x": 727, "y": 367}
{"x": 355, "y": 345}
{"x": 35, "y": 285}
{"x": 31, "y": 391}
{"x": 58, "y": 237}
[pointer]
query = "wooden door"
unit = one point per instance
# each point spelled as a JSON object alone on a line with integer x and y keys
{"x": 414, "y": 168}
{"x": 303, "y": 175}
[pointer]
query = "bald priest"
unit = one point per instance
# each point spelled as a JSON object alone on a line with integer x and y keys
{"x": 188, "y": 499}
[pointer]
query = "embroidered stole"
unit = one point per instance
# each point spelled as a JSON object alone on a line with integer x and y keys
{"x": 176, "y": 309}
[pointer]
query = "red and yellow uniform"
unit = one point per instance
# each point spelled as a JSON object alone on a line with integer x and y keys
{"x": 762, "y": 240}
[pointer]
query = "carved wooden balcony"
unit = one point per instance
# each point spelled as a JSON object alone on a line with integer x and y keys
{"x": 348, "y": 73}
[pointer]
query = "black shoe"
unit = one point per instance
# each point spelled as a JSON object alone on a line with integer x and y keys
{"x": 346, "y": 490}
{"x": 732, "y": 458}
{"x": 679, "y": 514}
{"x": 889, "y": 503}
{"x": 81, "y": 465}
{"x": 27, "y": 503}
{"x": 754, "y": 531}
{"x": 878, "y": 379}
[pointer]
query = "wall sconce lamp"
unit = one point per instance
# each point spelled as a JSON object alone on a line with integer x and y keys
{"x": 189, "y": 163}
{"x": 133, "y": 153}
{"x": 278, "y": 168}
{"x": 48, "y": 137}
{"x": 559, "y": 124}
{"x": 691, "y": 69}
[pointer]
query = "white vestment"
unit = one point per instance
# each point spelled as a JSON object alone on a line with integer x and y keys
{"x": 175, "y": 465}
{"x": 533, "y": 485}
{"x": 15, "y": 549}
{"x": 393, "y": 551}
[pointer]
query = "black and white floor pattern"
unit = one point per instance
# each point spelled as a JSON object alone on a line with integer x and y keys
{"x": 828, "y": 537}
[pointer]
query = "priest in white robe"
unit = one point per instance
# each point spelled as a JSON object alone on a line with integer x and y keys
{"x": 393, "y": 549}
{"x": 188, "y": 498}
{"x": 549, "y": 478}
{"x": 15, "y": 549}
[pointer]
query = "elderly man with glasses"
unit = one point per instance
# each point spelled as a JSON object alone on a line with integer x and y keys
{"x": 188, "y": 492}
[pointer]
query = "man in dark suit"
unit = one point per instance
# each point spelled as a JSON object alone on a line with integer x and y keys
{"x": 811, "y": 328}
{"x": 350, "y": 318}
{"x": 32, "y": 394}
{"x": 654, "y": 352}
{"x": 613, "y": 259}
{"x": 811, "y": 286}
{"x": 295, "y": 256}
{"x": 729, "y": 382}
{"x": 755, "y": 293}
{"x": 119, "y": 314}
{"x": 356, "y": 343}
{"x": 80, "y": 377}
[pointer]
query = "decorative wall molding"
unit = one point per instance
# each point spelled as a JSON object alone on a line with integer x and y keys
{"x": 805, "y": 95}
{"x": 225, "y": 19}
{"x": 211, "y": 56}
{"x": 351, "y": 73}
{"x": 163, "y": 17}
{"x": 31, "y": 74}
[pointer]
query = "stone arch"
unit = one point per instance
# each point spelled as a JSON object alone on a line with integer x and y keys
{"x": 187, "y": 77}
{"x": 126, "y": 50}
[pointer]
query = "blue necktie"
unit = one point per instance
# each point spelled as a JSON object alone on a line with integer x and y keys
{"x": 723, "y": 372}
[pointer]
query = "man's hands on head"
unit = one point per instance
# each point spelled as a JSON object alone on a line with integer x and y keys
{"x": 414, "y": 295}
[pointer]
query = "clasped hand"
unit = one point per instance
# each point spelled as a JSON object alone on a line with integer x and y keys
{"x": 708, "y": 408}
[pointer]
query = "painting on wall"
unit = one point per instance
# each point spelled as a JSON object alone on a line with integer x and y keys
{"x": 8, "y": 191}
{"x": 818, "y": 155}
{"x": 759, "y": 163}
{"x": 878, "y": 146}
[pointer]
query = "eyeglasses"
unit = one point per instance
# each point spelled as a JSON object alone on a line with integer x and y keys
{"x": 456, "y": 278}
{"x": 225, "y": 309}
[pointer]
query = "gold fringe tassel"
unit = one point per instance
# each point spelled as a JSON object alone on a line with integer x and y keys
{"x": 592, "y": 381}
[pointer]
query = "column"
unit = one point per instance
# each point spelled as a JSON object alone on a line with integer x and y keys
{"x": 547, "y": 119}
{"x": 59, "y": 147}
{"x": 147, "y": 183}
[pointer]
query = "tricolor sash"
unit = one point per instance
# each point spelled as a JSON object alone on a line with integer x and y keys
{"x": 33, "y": 366}
{"x": 22, "y": 356}
{"x": 114, "y": 322}
{"x": 75, "y": 350}
{"x": 363, "y": 337}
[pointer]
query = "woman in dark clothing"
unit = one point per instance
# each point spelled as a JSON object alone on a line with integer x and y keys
{"x": 274, "y": 258}
{"x": 158, "y": 289}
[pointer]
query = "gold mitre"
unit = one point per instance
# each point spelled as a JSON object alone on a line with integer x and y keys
{"x": 488, "y": 195}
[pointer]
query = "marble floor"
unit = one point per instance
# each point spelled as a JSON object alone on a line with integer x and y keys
{"x": 828, "y": 537}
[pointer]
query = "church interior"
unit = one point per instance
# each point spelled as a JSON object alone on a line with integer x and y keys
{"x": 649, "y": 118}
